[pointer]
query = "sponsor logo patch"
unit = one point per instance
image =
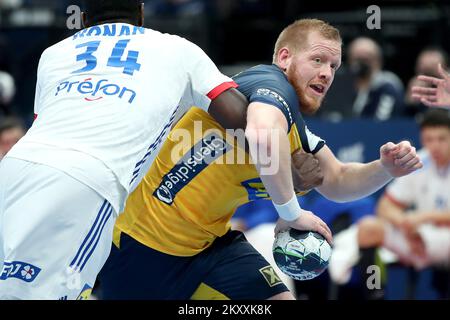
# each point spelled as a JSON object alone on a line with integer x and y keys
{"x": 19, "y": 270}
{"x": 206, "y": 151}
{"x": 93, "y": 90}
{"x": 270, "y": 276}
{"x": 255, "y": 189}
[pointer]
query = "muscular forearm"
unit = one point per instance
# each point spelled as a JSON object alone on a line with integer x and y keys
{"x": 275, "y": 171}
{"x": 354, "y": 181}
{"x": 266, "y": 134}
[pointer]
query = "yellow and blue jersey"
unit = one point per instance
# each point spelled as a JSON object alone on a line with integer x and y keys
{"x": 201, "y": 175}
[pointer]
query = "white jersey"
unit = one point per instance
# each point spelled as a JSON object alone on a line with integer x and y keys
{"x": 426, "y": 189}
{"x": 107, "y": 97}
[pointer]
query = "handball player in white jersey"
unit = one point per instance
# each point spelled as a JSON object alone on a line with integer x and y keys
{"x": 106, "y": 98}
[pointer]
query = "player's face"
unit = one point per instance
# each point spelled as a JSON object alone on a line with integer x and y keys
{"x": 311, "y": 71}
{"x": 437, "y": 141}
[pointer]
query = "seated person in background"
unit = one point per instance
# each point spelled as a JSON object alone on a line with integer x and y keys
{"x": 11, "y": 130}
{"x": 420, "y": 237}
{"x": 427, "y": 65}
{"x": 380, "y": 93}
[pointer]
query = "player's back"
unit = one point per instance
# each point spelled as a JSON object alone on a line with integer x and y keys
{"x": 110, "y": 92}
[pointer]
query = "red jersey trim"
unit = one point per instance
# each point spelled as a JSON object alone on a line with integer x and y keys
{"x": 221, "y": 88}
{"x": 35, "y": 116}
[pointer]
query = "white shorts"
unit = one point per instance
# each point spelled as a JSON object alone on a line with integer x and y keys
{"x": 55, "y": 233}
{"x": 437, "y": 246}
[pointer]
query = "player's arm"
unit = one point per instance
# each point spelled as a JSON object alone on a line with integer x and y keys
{"x": 433, "y": 217}
{"x": 266, "y": 133}
{"x": 436, "y": 92}
{"x": 229, "y": 109}
{"x": 352, "y": 181}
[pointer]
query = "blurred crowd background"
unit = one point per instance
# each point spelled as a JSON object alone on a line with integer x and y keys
{"x": 367, "y": 105}
{"x": 241, "y": 33}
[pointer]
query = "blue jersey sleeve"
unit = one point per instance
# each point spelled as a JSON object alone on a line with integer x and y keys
{"x": 270, "y": 95}
{"x": 268, "y": 84}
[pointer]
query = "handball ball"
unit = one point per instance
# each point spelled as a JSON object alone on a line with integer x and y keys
{"x": 302, "y": 255}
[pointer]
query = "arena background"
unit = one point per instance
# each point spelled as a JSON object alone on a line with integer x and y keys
{"x": 237, "y": 34}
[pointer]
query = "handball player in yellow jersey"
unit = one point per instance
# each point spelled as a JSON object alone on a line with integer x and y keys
{"x": 174, "y": 240}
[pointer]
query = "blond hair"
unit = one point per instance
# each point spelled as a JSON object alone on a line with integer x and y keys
{"x": 295, "y": 36}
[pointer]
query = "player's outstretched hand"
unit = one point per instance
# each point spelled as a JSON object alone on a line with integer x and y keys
{"x": 435, "y": 92}
{"x": 306, "y": 172}
{"x": 307, "y": 221}
{"x": 399, "y": 159}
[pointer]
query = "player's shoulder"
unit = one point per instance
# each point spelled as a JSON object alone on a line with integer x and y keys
{"x": 267, "y": 78}
{"x": 170, "y": 39}
{"x": 52, "y": 51}
{"x": 54, "y": 48}
{"x": 265, "y": 72}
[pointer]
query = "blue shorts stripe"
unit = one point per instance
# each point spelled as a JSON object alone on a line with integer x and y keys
{"x": 97, "y": 240}
{"x": 94, "y": 236}
{"x": 80, "y": 250}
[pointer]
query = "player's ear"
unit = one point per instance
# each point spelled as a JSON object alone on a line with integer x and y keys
{"x": 283, "y": 58}
{"x": 84, "y": 19}
{"x": 141, "y": 16}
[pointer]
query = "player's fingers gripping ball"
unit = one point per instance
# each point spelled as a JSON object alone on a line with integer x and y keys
{"x": 302, "y": 255}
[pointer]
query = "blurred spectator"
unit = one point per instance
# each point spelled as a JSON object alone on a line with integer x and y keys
{"x": 7, "y": 91}
{"x": 7, "y": 86}
{"x": 419, "y": 238}
{"x": 380, "y": 93}
{"x": 435, "y": 92}
{"x": 10, "y": 4}
{"x": 426, "y": 64}
{"x": 11, "y": 130}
